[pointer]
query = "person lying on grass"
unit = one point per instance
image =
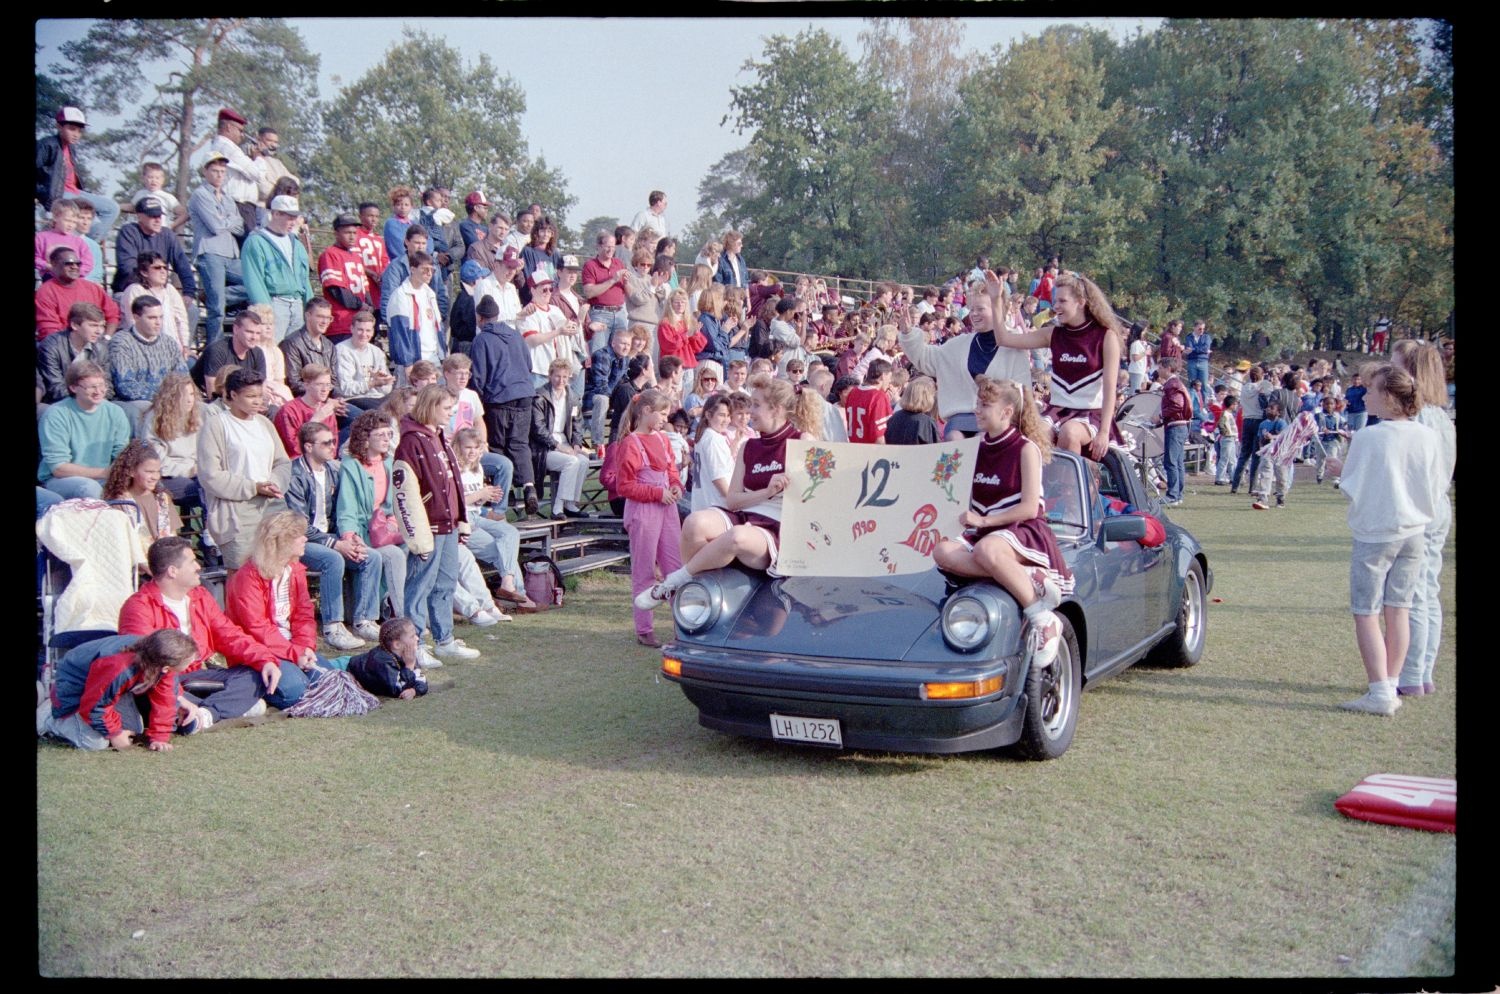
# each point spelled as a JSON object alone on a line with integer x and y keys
{"x": 97, "y": 703}
{"x": 390, "y": 669}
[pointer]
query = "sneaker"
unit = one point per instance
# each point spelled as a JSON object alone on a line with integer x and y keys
{"x": 204, "y": 722}
{"x": 256, "y": 710}
{"x": 1233, "y": 490}
{"x": 1172, "y": 502}
{"x": 1335, "y": 483}
{"x": 1221, "y": 483}
{"x": 1320, "y": 476}
{"x": 1043, "y": 639}
{"x": 1259, "y": 504}
{"x": 456, "y": 648}
{"x": 648, "y": 599}
{"x": 482, "y": 618}
{"x": 1370, "y": 704}
{"x": 426, "y": 660}
{"x": 1428, "y": 688}
{"x": 340, "y": 637}
{"x": 367, "y": 630}
{"x": 1047, "y": 590}
{"x": 1281, "y": 502}
{"x": 1415, "y": 690}
{"x": 499, "y": 615}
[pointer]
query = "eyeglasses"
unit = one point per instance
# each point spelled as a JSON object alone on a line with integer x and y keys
{"x": 71, "y": 262}
{"x": 157, "y": 268}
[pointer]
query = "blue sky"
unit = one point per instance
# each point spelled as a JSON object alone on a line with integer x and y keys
{"x": 679, "y": 70}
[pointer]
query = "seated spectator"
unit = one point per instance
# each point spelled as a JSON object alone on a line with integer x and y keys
{"x": 556, "y": 443}
{"x": 416, "y": 323}
{"x": 705, "y": 385}
{"x": 313, "y": 493}
{"x": 139, "y": 359}
{"x": 94, "y": 251}
{"x": 310, "y": 344}
{"x": 269, "y": 600}
{"x": 242, "y": 348}
{"x": 637, "y": 378}
{"x": 364, "y": 511}
{"x": 57, "y": 174}
{"x": 94, "y": 700}
{"x": 679, "y": 334}
{"x": 606, "y": 368}
{"x": 242, "y": 467}
{"x": 277, "y": 392}
{"x": 913, "y": 424}
{"x": 81, "y": 436}
{"x": 315, "y": 404}
{"x": 493, "y": 540}
{"x": 135, "y": 475}
{"x": 56, "y": 297}
{"x": 363, "y": 374}
{"x": 152, "y": 280}
{"x": 174, "y": 598}
{"x": 84, "y": 341}
{"x": 712, "y": 462}
{"x": 391, "y": 668}
{"x": 62, "y": 233}
{"x": 149, "y": 233}
{"x": 820, "y": 380}
{"x": 170, "y": 426}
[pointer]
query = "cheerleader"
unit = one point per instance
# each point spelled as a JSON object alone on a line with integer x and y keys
{"x": 747, "y": 527}
{"x": 1085, "y": 344}
{"x": 1007, "y": 538}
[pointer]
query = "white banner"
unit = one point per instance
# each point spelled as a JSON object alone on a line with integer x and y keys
{"x": 853, "y": 509}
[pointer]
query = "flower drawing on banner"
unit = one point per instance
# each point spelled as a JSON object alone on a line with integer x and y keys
{"x": 945, "y": 470}
{"x": 819, "y": 466}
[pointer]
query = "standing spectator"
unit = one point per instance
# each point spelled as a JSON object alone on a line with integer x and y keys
{"x": 1176, "y": 414}
{"x": 654, "y": 216}
{"x": 502, "y": 378}
{"x": 1171, "y": 341}
{"x": 679, "y": 334}
{"x": 83, "y": 341}
{"x": 399, "y": 269}
{"x": 537, "y": 256}
{"x": 1137, "y": 352}
{"x": 545, "y": 328}
{"x": 489, "y": 249}
{"x": 603, "y": 285}
{"x": 57, "y": 171}
{"x": 242, "y": 180}
{"x": 472, "y": 228}
{"x": 520, "y": 236}
{"x": 309, "y": 345}
{"x": 370, "y": 245}
{"x": 430, "y": 509}
{"x": 647, "y": 288}
{"x": 1229, "y": 440}
{"x": 732, "y": 271}
{"x": 867, "y": 408}
{"x": 152, "y": 280}
{"x": 1272, "y": 472}
{"x": 56, "y": 297}
{"x": 243, "y": 469}
{"x": 315, "y": 404}
{"x": 402, "y": 200}
{"x": 81, "y": 436}
{"x": 218, "y": 230}
{"x": 270, "y": 169}
{"x": 341, "y": 271}
{"x": 1354, "y": 399}
{"x": 141, "y": 358}
{"x": 651, "y": 487}
{"x": 313, "y": 494}
{"x": 1198, "y": 347}
{"x": 148, "y": 233}
{"x": 275, "y": 267}
{"x": 1252, "y": 407}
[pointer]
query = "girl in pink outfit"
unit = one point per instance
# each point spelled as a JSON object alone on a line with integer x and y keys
{"x": 649, "y": 483}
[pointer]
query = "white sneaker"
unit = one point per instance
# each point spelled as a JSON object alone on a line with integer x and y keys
{"x": 341, "y": 638}
{"x": 498, "y": 615}
{"x": 1047, "y": 590}
{"x": 367, "y": 630}
{"x": 426, "y": 660}
{"x": 256, "y": 710}
{"x": 482, "y": 618}
{"x": 456, "y": 648}
{"x": 648, "y": 599}
{"x": 1371, "y": 704}
{"x": 205, "y": 721}
{"x": 1044, "y": 638}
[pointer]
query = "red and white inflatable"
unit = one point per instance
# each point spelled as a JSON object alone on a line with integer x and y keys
{"x": 1428, "y": 803}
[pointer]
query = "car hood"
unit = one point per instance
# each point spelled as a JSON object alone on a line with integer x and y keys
{"x": 840, "y": 617}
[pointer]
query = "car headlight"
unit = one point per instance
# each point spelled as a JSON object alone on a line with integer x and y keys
{"x": 967, "y": 623}
{"x": 696, "y": 606}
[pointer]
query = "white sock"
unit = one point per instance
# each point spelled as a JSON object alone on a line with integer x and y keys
{"x": 1382, "y": 689}
{"x": 1034, "y": 609}
{"x": 675, "y": 579}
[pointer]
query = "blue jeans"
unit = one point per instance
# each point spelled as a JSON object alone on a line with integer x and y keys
{"x": 1357, "y": 421}
{"x": 1426, "y": 612}
{"x": 499, "y": 471}
{"x": 1248, "y": 456}
{"x": 429, "y": 587}
{"x": 222, "y": 286}
{"x": 497, "y": 543}
{"x": 292, "y": 685}
{"x": 105, "y": 212}
{"x": 330, "y": 567}
{"x": 1197, "y": 369}
{"x": 1176, "y": 439}
{"x": 46, "y": 498}
{"x": 288, "y": 311}
{"x": 612, "y": 320}
{"x": 69, "y": 487}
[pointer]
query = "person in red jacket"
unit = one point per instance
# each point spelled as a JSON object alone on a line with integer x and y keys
{"x": 341, "y": 270}
{"x": 175, "y": 598}
{"x": 268, "y": 598}
{"x": 94, "y": 700}
{"x": 1176, "y": 415}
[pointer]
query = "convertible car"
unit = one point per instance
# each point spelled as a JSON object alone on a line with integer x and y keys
{"x": 932, "y": 663}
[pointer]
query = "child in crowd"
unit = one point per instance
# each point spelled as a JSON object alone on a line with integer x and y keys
{"x": 391, "y": 669}
{"x": 62, "y": 232}
{"x": 85, "y": 222}
{"x": 154, "y": 184}
{"x": 1394, "y": 481}
{"x": 95, "y": 698}
{"x": 1270, "y": 429}
{"x": 740, "y": 429}
{"x": 1006, "y": 537}
{"x": 677, "y": 435}
{"x": 913, "y": 423}
{"x": 1229, "y": 440}
{"x": 649, "y": 483}
{"x": 1333, "y": 428}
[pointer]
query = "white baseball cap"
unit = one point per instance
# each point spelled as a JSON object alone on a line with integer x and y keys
{"x": 285, "y": 204}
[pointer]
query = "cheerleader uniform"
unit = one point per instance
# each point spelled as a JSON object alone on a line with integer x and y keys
{"x": 1078, "y": 379}
{"x": 997, "y": 488}
{"x": 764, "y": 457}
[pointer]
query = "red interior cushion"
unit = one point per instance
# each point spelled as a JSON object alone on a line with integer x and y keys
{"x": 1429, "y": 803}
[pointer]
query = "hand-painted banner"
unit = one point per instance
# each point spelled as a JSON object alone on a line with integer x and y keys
{"x": 853, "y": 509}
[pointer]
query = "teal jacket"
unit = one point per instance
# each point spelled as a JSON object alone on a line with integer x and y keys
{"x": 356, "y": 500}
{"x": 267, "y": 274}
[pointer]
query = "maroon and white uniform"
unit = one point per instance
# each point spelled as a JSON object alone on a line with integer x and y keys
{"x": 1078, "y": 378}
{"x": 764, "y": 457}
{"x": 997, "y": 489}
{"x": 338, "y": 267}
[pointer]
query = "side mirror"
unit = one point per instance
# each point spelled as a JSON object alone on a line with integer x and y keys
{"x": 1123, "y": 528}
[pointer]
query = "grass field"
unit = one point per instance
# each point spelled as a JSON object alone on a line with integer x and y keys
{"x": 554, "y": 810}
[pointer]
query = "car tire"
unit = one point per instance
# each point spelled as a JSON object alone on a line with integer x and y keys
{"x": 1184, "y": 647}
{"x": 1052, "y": 701}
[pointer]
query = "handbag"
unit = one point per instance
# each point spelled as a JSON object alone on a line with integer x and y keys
{"x": 383, "y": 530}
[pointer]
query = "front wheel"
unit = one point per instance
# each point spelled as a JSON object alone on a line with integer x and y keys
{"x": 1052, "y": 701}
{"x": 1184, "y": 647}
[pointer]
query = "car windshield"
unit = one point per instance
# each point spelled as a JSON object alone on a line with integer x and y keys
{"x": 1062, "y": 495}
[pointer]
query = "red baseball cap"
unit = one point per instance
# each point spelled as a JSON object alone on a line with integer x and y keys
{"x": 476, "y": 199}
{"x": 230, "y": 114}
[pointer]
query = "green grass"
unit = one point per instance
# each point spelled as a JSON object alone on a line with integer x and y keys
{"x": 554, "y": 810}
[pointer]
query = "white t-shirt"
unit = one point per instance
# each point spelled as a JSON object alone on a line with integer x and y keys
{"x": 281, "y": 602}
{"x": 320, "y": 504}
{"x": 1138, "y": 357}
{"x": 248, "y": 448}
{"x": 712, "y": 460}
{"x": 184, "y": 612}
{"x": 542, "y": 321}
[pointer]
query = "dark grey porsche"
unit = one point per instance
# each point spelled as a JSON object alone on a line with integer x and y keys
{"x": 931, "y": 663}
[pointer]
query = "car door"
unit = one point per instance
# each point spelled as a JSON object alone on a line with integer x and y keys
{"x": 1152, "y": 565}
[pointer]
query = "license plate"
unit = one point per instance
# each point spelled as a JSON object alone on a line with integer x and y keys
{"x": 819, "y": 731}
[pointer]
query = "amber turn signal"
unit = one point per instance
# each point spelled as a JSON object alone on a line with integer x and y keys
{"x": 971, "y": 688}
{"x": 671, "y": 667}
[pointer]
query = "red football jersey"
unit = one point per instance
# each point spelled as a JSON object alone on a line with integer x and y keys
{"x": 338, "y": 267}
{"x": 866, "y": 410}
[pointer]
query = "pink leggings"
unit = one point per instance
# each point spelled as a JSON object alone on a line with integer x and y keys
{"x": 655, "y": 533}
